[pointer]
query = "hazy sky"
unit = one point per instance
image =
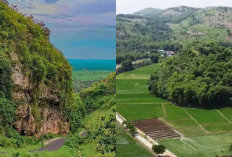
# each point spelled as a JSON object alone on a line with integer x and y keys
{"x": 131, "y": 6}
{"x": 83, "y": 29}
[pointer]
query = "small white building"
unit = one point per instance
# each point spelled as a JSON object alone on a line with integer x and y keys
{"x": 170, "y": 53}
{"x": 166, "y": 53}
{"x": 161, "y": 51}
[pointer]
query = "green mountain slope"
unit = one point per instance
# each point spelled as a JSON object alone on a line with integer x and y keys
{"x": 170, "y": 29}
{"x": 96, "y": 137}
{"x": 199, "y": 76}
{"x": 149, "y": 12}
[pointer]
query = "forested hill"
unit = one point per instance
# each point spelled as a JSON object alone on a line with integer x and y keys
{"x": 171, "y": 29}
{"x": 35, "y": 77}
{"x": 198, "y": 76}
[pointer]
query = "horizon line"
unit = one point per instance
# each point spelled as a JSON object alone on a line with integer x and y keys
{"x": 176, "y": 7}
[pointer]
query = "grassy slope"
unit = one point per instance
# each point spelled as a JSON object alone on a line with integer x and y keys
{"x": 92, "y": 121}
{"x": 192, "y": 123}
{"x": 26, "y": 152}
{"x": 127, "y": 146}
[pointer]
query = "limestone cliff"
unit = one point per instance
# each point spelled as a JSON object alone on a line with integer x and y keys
{"x": 36, "y": 118}
{"x": 39, "y": 77}
{"x": 52, "y": 121}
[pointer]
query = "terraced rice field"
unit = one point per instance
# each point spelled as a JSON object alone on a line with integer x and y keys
{"x": 199, "y": 127}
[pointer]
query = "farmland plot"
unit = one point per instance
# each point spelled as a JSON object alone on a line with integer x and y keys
{"x": 127, "y": 147}
{"x": 156, "y": 129}
{"x": 207, "y": 133}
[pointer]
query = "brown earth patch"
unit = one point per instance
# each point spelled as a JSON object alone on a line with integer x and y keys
{"x": 156, "y": 129}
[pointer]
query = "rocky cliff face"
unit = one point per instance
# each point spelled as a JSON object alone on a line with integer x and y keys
{"x": 36, "y": 117}
{"x": 51, "y": 121}
{"x": 35, "y": 77}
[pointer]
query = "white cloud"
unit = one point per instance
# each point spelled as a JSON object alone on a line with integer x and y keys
{"x": 36, "y": 7}
{"x": 70, "y": 12}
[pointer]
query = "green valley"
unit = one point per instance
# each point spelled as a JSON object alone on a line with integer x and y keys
{"x": 171, "y": 29}
{"x": 202, "y": 129}
{"x": 188, "y": 86}
{"x": 40, "y": 114}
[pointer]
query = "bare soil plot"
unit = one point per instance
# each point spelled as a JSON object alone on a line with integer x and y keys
{"x": 156, "y": 129}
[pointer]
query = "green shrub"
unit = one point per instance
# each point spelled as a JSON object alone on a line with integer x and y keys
{"x": 39, "y": 68}
{"x": 7, "y": 112}
{"x": 74, "y": 116}
{"x": 230, "y": 148}
{"x": 127, "y": 65}
{"x": 158, "y": 149}
{"x": 129, "y": 126}
{"x": 5, "y": 77}
{"x": 74, "y": 141}
{"x": 47, "y": 136}
{"x": 155, "y": 58}
{"x": 106, "y": 135}
{"x": 14, "y": 140}
{"x": 6, "y": 142}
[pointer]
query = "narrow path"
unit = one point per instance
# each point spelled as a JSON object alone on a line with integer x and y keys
{"x": 165, "y": 115}
{"x": 182, "y": 140}
{"x": 79, "y": 152}
{"x": 195, "y": 121}
{"x": 158, "y": 103}
{"x": 54, "y": 145}
{"x": 135, "y": 62}
{"x": 224, "y": 116}
{"x": 2, "y": 153}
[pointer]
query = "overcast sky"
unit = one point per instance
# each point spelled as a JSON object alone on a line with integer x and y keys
{"x": 82, "y": 29}
{"x": 131, "y": 6}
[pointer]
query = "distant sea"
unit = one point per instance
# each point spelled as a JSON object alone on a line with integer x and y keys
{"x": 81, "y": 64}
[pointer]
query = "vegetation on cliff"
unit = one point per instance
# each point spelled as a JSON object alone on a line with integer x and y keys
{"x": 25, "y": 51}
{"x": 26, "y": 42}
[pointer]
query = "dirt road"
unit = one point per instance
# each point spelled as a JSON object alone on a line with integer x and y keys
{"x": 54, "y": 145}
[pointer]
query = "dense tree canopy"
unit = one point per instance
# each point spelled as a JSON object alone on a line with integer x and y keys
{"x": 200, "y": 75}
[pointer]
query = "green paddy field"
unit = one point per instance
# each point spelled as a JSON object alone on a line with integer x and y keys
{"x": 207, "y": 133}
{"x": 127, "y": 146}
{"x": 85, "y": 78}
